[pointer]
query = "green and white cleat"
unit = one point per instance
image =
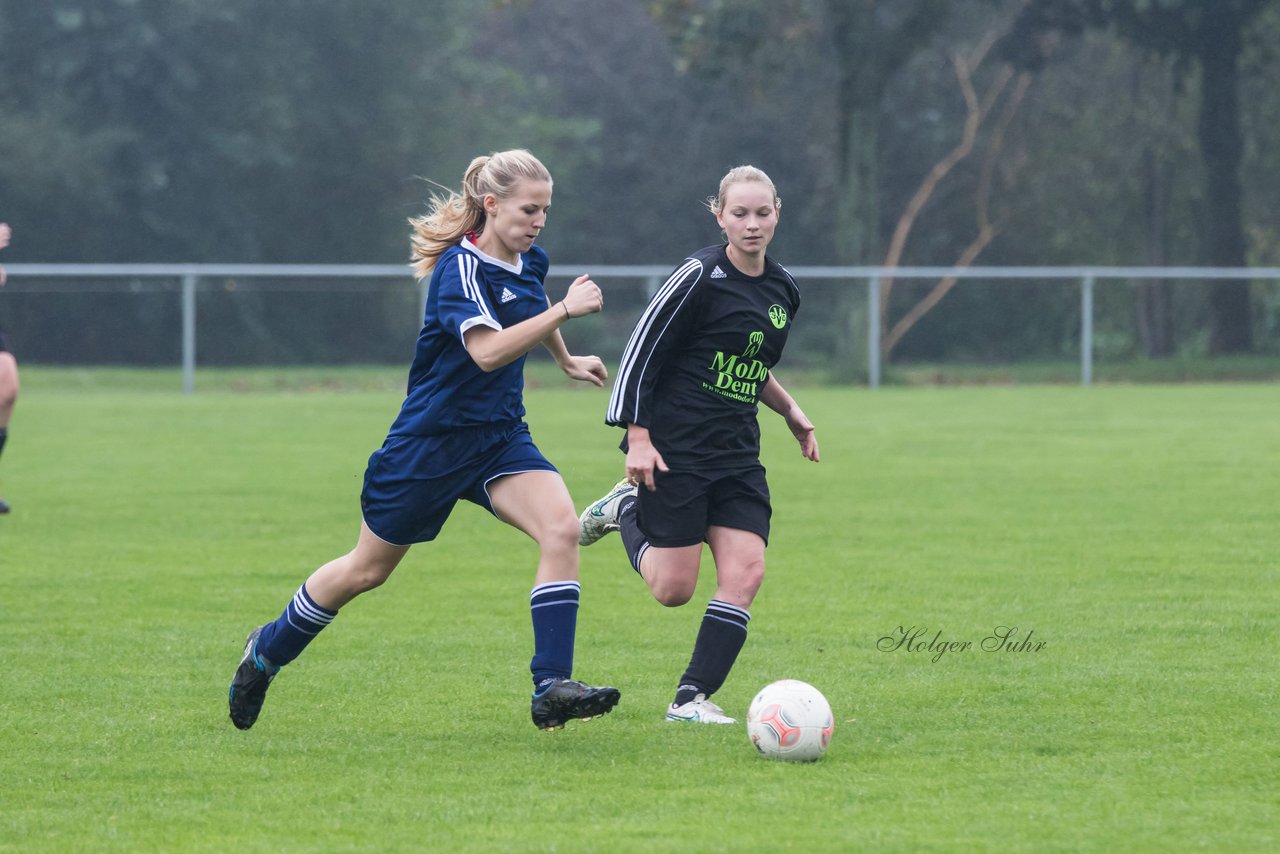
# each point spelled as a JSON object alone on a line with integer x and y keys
{"x": 699, "y": 710}
{"x": 602, "y": 517}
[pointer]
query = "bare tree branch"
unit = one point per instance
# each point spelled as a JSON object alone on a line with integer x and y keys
{"x": 977, "y": 111}
{"x": 985, "y": 235}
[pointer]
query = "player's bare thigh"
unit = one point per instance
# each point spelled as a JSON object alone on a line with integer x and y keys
{"x": 8, "y": 385}
{"x": 538, "y": 503}
{"x": 671, "y": 573}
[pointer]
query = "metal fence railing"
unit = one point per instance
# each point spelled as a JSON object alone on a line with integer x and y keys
{"x": 190, "y": 279}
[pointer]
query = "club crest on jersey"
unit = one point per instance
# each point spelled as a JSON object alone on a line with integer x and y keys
{"x": 777, "y": 316}
{"x": 717, "y": 273}
{"x": 507, "y": 296}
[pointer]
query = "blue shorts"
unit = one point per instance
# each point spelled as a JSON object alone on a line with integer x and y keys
{"x": 413, "y": 482}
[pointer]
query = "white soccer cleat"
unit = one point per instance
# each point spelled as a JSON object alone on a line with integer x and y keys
{"x": 699, "y": 710}
{"x": 602, "y": 517}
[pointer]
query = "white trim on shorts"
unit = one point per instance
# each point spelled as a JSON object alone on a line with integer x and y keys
{"x": 489, "y": 498}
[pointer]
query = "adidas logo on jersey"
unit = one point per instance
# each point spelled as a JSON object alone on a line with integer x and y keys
{"x": 717, "y": 273}
{"x": 507, "y": 296}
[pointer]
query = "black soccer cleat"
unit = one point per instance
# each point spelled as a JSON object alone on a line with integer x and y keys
{"x": 4, "y": 506}
{"x": 566, "y": 699}
{"x": 249, "y": 685}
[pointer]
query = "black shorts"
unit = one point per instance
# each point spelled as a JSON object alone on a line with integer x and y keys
{"x": 687, "y": 503}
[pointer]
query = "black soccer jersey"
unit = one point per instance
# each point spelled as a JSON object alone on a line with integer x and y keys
{"x": 698, "y": 359}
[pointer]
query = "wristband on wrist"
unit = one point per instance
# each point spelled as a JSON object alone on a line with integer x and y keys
{"x": 567, "y": 316}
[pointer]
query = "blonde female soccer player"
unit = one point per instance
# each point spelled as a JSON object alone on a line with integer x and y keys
{"x": 698, "y": 363}
{"x": 461, "y": 434}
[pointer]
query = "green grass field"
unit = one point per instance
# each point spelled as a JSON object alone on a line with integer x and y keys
{"x": 1132, "y": 529}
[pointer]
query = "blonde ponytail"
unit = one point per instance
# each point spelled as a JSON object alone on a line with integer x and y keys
{"x": 454, "y": 215}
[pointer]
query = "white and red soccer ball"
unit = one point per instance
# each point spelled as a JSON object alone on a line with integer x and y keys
{"x": 790, "y": 719}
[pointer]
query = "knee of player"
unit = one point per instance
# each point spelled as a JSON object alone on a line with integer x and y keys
{"x": 365, "y": 577}
{"x": 561, "y": 532}
{"x": 674, "y": 594}
{"x": 746, "y": 578}
{"x": 8, "y": 387}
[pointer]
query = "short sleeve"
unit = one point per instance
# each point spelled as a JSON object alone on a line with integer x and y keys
{"x": 461, "y": 297}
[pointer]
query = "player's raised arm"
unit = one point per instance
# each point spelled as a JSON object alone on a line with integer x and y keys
{"x": 496, "y": 348}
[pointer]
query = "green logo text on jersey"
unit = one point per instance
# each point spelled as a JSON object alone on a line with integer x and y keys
{"x": 739, "y": 377}
{"x": 777, "y": 316}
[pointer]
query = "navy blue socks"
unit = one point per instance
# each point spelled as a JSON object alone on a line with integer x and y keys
{"x": 554, "y": 608}
{"x": 283, "y": 640}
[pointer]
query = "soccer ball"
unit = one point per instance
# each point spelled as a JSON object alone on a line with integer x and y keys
{"x": 790, "y": 719}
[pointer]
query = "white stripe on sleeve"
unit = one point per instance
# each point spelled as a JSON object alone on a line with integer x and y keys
{"x": 640, "y": 345}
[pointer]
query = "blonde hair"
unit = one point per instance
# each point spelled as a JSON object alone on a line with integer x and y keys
{"x": 736, "y": 175}
{"x": 454, "y": 215}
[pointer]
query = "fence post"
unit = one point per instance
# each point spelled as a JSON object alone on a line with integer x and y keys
{"x": 1086, "y": 330}
{"x": 188, "y": 333}
{"x": 873, "y": 331}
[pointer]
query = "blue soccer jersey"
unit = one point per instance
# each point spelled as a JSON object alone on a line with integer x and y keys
{"x": 468, "y": 288}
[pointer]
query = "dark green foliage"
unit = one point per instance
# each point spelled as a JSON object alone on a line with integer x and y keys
{"x": 307, "y": 131}
{"x": 1210, "y": 35}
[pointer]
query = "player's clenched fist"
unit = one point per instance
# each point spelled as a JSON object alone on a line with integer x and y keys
{"x": 584, "y": 297}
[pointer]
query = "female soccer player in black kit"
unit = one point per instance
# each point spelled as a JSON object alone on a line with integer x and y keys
{"x": 697, "y": 364}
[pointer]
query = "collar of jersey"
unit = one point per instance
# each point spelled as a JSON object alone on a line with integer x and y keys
{"x": 489, "y": 259}
{"x": 768, "y": 262}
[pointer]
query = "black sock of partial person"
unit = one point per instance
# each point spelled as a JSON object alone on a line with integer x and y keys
{"x": 635, "y": 542}
{"x": 4, "y": 434}
{"x": 720, "y": 639}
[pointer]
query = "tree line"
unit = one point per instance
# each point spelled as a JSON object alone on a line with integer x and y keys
{"x": 914, "y": 132}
